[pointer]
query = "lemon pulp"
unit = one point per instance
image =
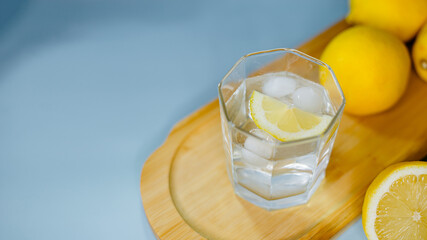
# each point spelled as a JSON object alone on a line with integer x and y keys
{"x": 283, "y": 122}
{"x": 395, "y": 204}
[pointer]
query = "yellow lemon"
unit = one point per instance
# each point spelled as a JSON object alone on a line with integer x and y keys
{"x": 372, "y": 67}
{"x": 419, "y": 53}
{"x": 283, "y": 122}
{"x": 402, "y": 18}
{"x": 395, "y": 205}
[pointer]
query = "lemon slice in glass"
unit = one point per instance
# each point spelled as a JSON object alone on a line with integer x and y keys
{"x": 395, "y": 205}
{"x": 283, "y": 122}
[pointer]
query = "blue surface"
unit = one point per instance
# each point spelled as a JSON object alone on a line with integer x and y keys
{"x": 88, "y": 89}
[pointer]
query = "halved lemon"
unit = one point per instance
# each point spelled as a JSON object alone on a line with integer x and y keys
{"x": 283, "y": 122}
{"x": 395, "y": 205}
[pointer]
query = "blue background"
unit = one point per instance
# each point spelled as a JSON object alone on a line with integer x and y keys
{"x": 88, "y": 89}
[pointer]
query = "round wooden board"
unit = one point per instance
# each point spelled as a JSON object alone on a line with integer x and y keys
{"x": 187, "y": 194}
{"x": 203, "y": 196}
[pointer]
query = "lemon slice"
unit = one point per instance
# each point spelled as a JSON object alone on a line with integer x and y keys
{"x": 395, "y": 205}
{"x": 283, "y": 122}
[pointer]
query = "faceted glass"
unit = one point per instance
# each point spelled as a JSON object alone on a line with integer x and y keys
{"x": 275, "y": 174}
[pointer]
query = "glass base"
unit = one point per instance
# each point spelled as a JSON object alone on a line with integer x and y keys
{"x": 278, "y": 203}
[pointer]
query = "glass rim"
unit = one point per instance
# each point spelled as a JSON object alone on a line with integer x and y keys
{"x": 300, "y": 54}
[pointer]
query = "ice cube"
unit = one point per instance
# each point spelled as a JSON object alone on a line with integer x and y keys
{"x": 253, "y": 160}
{"x": 279, "y": 86}
{"x": 259, "y": 147}
{"x": 263, "y": 134}
{"x": 308, "y": 99}
{"x": 309, "y": 161}
{"x": 286, "y": 185}
{"x": 255, "y": 180}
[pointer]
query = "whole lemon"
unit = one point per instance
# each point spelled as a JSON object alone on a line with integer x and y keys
{"x": 419, "y": 53}
{"x": 372, "y": 67}
{"x": 402, "y": 18}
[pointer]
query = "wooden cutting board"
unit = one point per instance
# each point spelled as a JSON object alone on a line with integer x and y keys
{"x": 187, "y": 195}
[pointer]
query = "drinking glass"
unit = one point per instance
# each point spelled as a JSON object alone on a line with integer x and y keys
{"x": 275, "y": 174}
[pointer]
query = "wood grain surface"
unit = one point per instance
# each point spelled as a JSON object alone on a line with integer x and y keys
{"x": 186, "y": 193}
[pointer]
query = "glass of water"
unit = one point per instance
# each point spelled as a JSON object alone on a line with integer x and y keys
{"x": 270, "y": 171}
